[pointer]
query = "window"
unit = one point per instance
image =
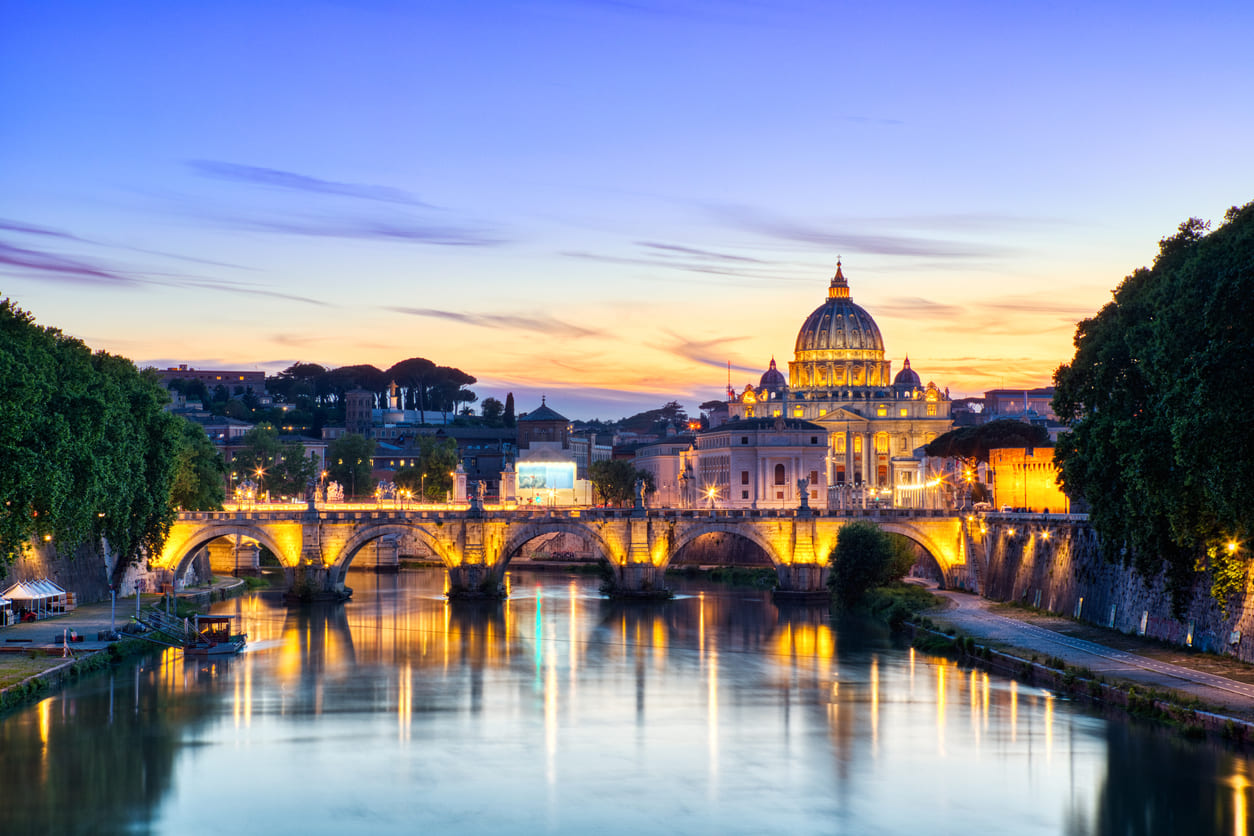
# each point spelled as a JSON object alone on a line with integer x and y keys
{"x": 744, "y": 439}
{"x": 744, "y": 477}
{"x": 840, "y": 474}
{"x": 903, "y": 412}
{"x": 796, "y": 412}
{"x": 881, "y": 442}
{"x": 814, "y": 439}
{"x": 840, "y": 442}
{"x": 857, "y": 444}
{"x": 744, "y": 494}
{"x": 779, "y": 494}
{"x": 881, "y": 411}
{"x": 822, "y": 412}
{"x": 780, "y": 478}
{"x": 814, "y": 477}
{"x": 931, "y": 409}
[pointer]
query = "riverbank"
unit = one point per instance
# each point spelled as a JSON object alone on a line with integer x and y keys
{"x": 34, "y": 659}
{"x": 1200, "y": 693}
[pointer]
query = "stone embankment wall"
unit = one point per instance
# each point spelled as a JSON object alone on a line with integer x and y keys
{"x": 1057, "y": 565}
{"x": 85, "y": 572}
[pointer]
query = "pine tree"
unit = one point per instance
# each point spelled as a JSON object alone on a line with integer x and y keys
{"x": 509, "y": 410}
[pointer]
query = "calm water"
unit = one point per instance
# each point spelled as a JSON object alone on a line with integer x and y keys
{"x": 562, "y": 712}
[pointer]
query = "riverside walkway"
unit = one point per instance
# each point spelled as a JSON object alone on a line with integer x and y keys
{"x": 1220, "y": 682}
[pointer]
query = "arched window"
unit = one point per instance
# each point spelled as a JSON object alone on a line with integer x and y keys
{"x": 881, "y": 442}
{"x": 779, "y": 475}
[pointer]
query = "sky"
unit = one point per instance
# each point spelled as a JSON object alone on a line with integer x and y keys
{"x": 605, "y": 202}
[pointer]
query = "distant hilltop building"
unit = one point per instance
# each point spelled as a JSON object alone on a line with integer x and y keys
{"x": 236, "y": 382}
{"x": 839, "y": 380}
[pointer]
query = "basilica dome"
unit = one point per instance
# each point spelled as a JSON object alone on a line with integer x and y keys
{"x": 772, "y": 379}
{"x": 907, "y": 378}
{"x": 839, "y": 345}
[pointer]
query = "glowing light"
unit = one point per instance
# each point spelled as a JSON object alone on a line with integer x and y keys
{"x": 1232, "y": 546}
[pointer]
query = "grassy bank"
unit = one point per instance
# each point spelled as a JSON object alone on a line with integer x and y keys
{"x": 1190, "y": 715}
{"x": 26, "y": 678}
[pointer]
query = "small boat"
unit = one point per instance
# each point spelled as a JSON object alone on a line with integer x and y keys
{"x": 207, "y": 635}
{"x": 214, "y": 637}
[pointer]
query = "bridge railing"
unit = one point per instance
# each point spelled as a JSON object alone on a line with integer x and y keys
{"x": 336, "y": 512}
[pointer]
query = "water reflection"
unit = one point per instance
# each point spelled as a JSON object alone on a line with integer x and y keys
{"x": 560, "y": 711}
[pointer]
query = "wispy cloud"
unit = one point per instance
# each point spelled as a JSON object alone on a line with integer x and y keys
{"x": 709, "y": 352}
{"x": 676, "y": 249}
{"x": 915, "y": 307}
{"x": 538, "y": 324}
{"x": 366, "y": 228}
{"x": 279, "y": 179}
{"x": 849, "y": 239}
{"x": 45, "y": 232}
{"x": 676, "y": 257}
{"x": 53, "y": 266}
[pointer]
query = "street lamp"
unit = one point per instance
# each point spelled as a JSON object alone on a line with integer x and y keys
{"x": 423, "y": 497}
{"x": 711, "y": 494}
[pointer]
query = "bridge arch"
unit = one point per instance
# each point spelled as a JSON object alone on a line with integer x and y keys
{"x": 945, "y": 557}
{"x": 183, "y": 542}
{"x": 518, "y": 537}
{"x": 690, "y": 533}
{"x": 367, "y": 534}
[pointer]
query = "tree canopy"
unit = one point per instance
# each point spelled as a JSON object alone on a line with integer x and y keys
{"x": 866, "y": 556}
{"x": 1159, "y": 442}
{"x": 87, "y": 450}
{"x": 971, "y": 444}
{"x": 350, "y": 461}
{"x": 432, "y": 472}
{"x": 615, "y": 480}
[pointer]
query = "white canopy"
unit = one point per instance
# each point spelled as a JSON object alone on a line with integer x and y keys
{"x": 40, "y": 590}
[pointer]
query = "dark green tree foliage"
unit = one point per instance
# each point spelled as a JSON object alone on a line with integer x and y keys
{"x": 509, "y": 419}
{"x": 86, "y": 449}
{"x": 971, "y": 444}
{"x": 491, "y": 410}
{"x": 615, "y": 480}
{"x": 198, "y": 471}
{"x": 655, "y": 420}
{"x": 1160, "y": 443}
{"x": 437, "y": 459}
{"x": 279, "y": 467}
{"x": 866, "y": 557}
{"x": 350, "y": 461}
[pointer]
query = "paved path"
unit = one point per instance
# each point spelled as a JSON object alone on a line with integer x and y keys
{"x": 87, "y": 621}
{"x": 972, "y": 616}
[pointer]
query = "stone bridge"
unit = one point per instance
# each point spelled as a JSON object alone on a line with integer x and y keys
{"x": 316, "y": 546}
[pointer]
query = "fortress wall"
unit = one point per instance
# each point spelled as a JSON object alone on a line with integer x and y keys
{"x": 1055, "y": 573}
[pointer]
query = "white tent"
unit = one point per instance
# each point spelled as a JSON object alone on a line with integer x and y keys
{"x": 42, "y": 597}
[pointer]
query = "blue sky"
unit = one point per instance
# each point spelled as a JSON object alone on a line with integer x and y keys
{"x": 605, "y": 202}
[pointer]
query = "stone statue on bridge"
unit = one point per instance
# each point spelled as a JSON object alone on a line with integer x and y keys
{"x": 639, "y": 486}
{"x": 803, "y": 490}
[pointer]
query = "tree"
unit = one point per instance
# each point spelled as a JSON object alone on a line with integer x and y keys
{"x": 350, "y": 461}
{"x": 280, "y": 468}
{"x": 87, "y": 450}
{"x": 198, "y": 472}
{"x": 615, "y": 480}
{"x": 509, "y": 418}
{"x": 432, "y": 472}
{"x": 971, "y": 444}
{"x": 1156, "y": 443}
{"x": 866, "y": 557}
{"x": 491, "y": 409}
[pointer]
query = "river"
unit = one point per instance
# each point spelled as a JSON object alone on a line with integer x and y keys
{"x": 561, "y": 712}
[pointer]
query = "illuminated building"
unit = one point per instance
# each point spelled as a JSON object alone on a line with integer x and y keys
{"x": 1026, "y": 478}
{"x": 840, "y": 380}
{"x": 552, "y": 465}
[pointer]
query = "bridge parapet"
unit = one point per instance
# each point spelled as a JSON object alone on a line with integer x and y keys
{"x": 317, "y": 546}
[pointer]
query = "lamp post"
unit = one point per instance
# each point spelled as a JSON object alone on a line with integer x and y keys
{"x": 423, "y": 497}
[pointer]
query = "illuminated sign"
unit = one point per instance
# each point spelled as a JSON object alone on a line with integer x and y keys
{"x": 533, "y": 476}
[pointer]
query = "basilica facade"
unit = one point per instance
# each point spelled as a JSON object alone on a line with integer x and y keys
{"x": 840, "y": 380}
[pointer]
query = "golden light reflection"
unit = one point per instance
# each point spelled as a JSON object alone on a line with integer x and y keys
{"x": 574, "y": 631}
{"x": 975, "y": 708}
{"x": 550, "y": 721}
{"x": 1014, "y": 710}
{"x": 1240, "y": 784}
{"x": 985, "y": 700}
{"x": 404, "y": 702}
{"x": 1049, "y": 726}
{"x": 940, "y": 709}
{"x": 875, "y": 703}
